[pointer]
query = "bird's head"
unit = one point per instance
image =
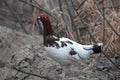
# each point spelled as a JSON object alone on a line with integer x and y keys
{"x": 48, "y": 31}
{"x": 43, "y": 16}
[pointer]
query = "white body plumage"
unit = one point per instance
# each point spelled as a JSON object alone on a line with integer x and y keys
{"x": 62, "y": 54}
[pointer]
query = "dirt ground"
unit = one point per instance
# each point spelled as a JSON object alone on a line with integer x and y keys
{"x": 22, "y": 57}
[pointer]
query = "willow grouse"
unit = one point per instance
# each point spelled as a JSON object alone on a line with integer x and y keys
{"x": 64, "y": 50}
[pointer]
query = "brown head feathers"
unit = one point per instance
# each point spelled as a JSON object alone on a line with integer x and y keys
{"x": 48, "y": 31}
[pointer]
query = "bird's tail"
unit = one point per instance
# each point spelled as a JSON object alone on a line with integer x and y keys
{"x": 95, "y": 48}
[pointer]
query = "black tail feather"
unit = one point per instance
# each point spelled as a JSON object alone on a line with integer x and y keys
{"x": 97, "y": 49}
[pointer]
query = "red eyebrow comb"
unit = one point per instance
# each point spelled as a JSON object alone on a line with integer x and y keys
{"x": 43, "y": 15}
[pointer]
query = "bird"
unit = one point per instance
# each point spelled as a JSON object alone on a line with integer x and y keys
{"x": 64, "y": 50}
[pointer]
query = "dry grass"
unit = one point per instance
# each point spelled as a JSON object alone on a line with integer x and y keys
{"x": 87, "y": 17}
{"x": 85, "y": 21}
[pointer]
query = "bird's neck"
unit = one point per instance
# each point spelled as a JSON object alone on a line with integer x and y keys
{"x": 48, "y": 31}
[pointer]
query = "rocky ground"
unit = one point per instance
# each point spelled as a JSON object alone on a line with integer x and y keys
{"x": 22, "y": 57}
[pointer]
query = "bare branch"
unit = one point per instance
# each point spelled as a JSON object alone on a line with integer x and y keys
{"x": 92, "y": 37}
{"x": 102, "y": 14}
{"x": 16, "y": 16}
{"x": 107, "y": 20}
{"x": 44, "y": 77}
{"x": 38, "y": 6}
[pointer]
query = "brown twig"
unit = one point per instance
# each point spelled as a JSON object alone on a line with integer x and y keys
{"x": 38, "y": 6}
{"x": 68, "y": 29}
{"x": 68, "y": 9}
{"x": 113, "y": 31}
{"x": 118, "y": 7}
{"x": 24, "y": 78}
{"x": 44, "y": 77}
{"x": 60, "y": 5}
{"x": 16, "y": 16}
{"x": 106, "y": 20}
{"x": 72, "y": 20}
{"x": 103, "y": 9}
{"x": 79, "y": 7}
{"x": 81, "y": 4}
{"x": 111, "y": 61}
{"x": 92, "y": 37}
